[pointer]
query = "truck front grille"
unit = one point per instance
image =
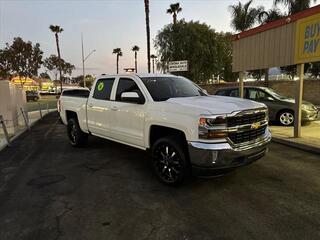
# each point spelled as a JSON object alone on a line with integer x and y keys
{"x": 246, "y": 136}
{"x": 246, "y": 119}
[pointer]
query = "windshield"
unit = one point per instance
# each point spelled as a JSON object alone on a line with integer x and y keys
{"x": 274, "y": 93}
{"x": 163, "y": 88}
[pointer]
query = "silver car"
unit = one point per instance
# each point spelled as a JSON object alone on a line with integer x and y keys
{"x": 281, "y": 108}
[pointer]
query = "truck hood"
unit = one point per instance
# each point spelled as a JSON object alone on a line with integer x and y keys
{"x": 217, "y": 104}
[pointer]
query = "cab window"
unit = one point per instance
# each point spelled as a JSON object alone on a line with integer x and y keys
{"x": 126, "y": 85}
{"x": 103, "y": 89}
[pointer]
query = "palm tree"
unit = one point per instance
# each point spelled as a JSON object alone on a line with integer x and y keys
{"x": 270, "y": 15}
{"x": 244, "y": 16}
{"x": 56, "y": 30}
{"x": 118, "y": 52}
{"x": 295, "y": 6}
{"x": 136, "y": 49}
{"x": 153, "y": 59}
{"x": 146, "y": 9}
{"x": 174, "y": 10}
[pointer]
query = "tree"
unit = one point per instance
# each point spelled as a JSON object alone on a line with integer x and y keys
{"x": 270, "y": 15}
{"x": 153, "y": 59}
{"x": 295, "y": 6}
{"x": 207, "y": 51}
{"x": 118, "y": 53}
{"x": 21, "y": 59}
{"x": 174, "y": 10}
{"x": 44, "y": 75}
{"x": 89, "y": 80}
{"x": 244, "y": 16}
{"x": 314, "y": 70}
{"x": 56, "y": 30}
{"x": 136, "y": 49}
{"x": 5, "y": 64}
{"x": 147, "y": 11}
{"x": 54, "y": 64}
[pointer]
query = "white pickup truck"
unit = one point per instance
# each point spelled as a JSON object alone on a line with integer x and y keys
{"x": 187, "y": 130}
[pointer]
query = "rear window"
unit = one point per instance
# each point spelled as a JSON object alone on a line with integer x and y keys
{"x": 103, "y": 89}
{"x": 83, "y": 93}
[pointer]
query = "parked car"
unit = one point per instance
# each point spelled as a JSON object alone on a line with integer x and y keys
{"x": 32, "y": 96}
{"x": 185, "y": 129}
{"x": 281, "y": 108}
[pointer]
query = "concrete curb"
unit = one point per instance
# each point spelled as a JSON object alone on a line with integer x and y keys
{"x": 22, "y": 132}
{"x": 300, "y": 146}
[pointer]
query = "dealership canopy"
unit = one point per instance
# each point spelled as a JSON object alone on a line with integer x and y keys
{"x": 293, "y": 40}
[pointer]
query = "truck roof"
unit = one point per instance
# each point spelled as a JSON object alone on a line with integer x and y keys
{"x": 141, "y": 75}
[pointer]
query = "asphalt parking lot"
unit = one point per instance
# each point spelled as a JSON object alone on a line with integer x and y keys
{"x": 49, "y": 190}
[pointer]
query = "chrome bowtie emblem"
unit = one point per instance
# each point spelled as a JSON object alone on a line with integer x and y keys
{"x": 255, "y": 125}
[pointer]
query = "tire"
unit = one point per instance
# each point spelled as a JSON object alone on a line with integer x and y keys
{"x": 169, "y": 160}
{"x": 77, "y": 138}
{"x": 286, "y": 118}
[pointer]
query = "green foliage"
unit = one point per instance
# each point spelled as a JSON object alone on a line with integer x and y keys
{"x": 56, "y": 29}
{"x": 44, "y": 75}
{"x": 314, "y": 69}
{"x": 20, "y": 58}
{"x": 135, "y": 48}
{"x": 5, "y": 64}
{"x": 295, "y": 6}
{"x": 174, "y": 9}
{"x": 207, "y": 51}
{"x": 270, "y": 15}
{"x": 52, "y": 64}
{"x": 89, "y": 80}
{"x": 244, "y": 16}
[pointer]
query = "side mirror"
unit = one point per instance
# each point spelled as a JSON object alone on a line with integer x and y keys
{"x": 132, "y": 97}
{"x": 270, "y": 98}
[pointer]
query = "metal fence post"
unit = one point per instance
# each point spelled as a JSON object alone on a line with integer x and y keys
{"x": 6, "y": 135}
{"x": 26, "y": 119}
{"x": 40, "y": 110}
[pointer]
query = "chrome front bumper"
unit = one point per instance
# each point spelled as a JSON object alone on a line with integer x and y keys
{"x": 206, "y": 158}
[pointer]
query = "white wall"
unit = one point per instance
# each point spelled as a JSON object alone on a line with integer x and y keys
{"x": 11, "y": 99}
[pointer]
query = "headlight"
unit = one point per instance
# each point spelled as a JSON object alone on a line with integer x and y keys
{"x": 212, "y": 122}
{"x": 212, "y": 127}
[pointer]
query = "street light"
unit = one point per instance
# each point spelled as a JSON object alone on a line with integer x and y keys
{"x": 83, "y": 60}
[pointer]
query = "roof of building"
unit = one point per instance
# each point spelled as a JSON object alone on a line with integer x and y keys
{"x": 274, "y": 24}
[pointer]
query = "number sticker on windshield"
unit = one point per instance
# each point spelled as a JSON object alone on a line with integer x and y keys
{"x": 100, "y": 86}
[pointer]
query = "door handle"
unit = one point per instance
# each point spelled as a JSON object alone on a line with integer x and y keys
{"x": 90, "y": 105}
{"x": 114, "y": 108}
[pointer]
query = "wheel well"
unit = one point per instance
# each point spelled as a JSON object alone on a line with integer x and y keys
{"x": 71, "y": 114}
{"x": 157, "y": 132}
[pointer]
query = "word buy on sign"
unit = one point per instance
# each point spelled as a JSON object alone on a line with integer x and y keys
{"x": 308, "y": 39}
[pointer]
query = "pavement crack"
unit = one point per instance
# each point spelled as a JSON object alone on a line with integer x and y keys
{"x": 59, "y": 218}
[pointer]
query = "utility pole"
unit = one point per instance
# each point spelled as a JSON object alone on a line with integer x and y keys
{"x": 83, "y": 60}
{"x": 84, "y": 77}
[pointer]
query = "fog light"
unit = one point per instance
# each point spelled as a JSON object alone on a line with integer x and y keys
{"x": 214, "y": 156}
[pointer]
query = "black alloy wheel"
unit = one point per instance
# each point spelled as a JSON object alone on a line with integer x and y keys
{"x": 169, "y": 160}
{"x": 76, "y": 136}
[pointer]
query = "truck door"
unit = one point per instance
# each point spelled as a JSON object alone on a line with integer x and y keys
{"x": 98, "y": 107}
{"x": 128, "y": 117}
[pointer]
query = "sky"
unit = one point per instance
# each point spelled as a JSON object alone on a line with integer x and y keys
{"x": 105, "y": 25}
